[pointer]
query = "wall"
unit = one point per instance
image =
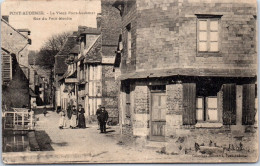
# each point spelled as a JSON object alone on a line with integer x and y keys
{"x": 174, "y": 94}
{"x": 140, "y": 111}
{"x": 170, "y": 27}
{"x": 16, "y": 93}
{"x": 129, "y": 17}
{"x": 12, "y": 40}
{"x": 109, "y": 91}
{"x": 23, "y": 57}
{"x": 110, "y": 28}
{"x": 110, "y": 31}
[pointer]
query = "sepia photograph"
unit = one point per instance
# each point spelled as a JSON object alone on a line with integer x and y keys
{"x": 129, "y": 81}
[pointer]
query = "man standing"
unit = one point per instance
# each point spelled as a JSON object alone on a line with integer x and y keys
{"x": 98, "y": 114}
{"x": 102, "y": 116}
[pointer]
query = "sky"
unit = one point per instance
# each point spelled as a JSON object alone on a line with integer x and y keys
{"x": 29, "y": 15}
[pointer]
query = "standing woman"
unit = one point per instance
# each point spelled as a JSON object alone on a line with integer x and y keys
{"x": 81, "y": 123}
{"x": 62, "y": 119}
{"x": 73, "y": 120}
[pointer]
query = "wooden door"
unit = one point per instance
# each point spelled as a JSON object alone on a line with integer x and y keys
{"x": 249, "y": 112}
{"x": 158, "y": 116}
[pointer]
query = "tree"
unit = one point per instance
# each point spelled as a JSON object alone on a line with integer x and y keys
{"x": 50, "y": 48}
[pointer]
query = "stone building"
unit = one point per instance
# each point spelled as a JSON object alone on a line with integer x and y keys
{"x": 187, "y": 66}
{"x": 15, "y": 84}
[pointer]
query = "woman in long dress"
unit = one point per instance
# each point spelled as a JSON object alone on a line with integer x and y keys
{"x": 73, "y": 120}
{"x": 62, "y": 119}
{"x": 81, "y": 123}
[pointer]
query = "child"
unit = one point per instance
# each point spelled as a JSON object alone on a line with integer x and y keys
{"x": 45, "y": 112}
{"x": 62, "y": 119}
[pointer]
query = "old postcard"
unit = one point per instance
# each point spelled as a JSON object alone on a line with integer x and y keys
{"x": 129, "y": 81}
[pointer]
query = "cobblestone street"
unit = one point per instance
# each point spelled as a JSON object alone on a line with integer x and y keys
{"x": 88, "y": 146}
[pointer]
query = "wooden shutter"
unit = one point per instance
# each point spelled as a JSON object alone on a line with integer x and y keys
{"x": 189, "y": 104}
{"x": 248, "y": 113}
{"x": 229, "y": 104}
{"x": 6, "y": 68}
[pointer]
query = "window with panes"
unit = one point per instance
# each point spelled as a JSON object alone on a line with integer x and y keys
{"x": 208, "y": 34}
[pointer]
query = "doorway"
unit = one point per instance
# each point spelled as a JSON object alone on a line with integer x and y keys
{"x": 158, "y": 116}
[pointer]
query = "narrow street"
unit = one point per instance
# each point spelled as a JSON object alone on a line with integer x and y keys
{"x": 88, "y": 146}
{"x": 78, "y": 140}
{"x": 81, "y": 145}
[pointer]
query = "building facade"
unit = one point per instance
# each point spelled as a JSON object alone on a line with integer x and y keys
{"x": 186, "y": 66}
{"x": 15, "y": 84}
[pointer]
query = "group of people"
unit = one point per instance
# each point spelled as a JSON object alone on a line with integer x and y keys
{"x": 77, "y": 117}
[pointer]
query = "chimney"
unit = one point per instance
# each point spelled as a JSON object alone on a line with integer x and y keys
{"x": 99, "y": 17}
{"x": 25, "y": 32}
{"x": 6, "y": 18}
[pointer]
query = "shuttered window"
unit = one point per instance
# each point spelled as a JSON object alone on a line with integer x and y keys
{"x": 229, "y": 104}
{"x": 6, "y": 68}
{"x": 248, "y": 113}
{"x": 189, "y": 104}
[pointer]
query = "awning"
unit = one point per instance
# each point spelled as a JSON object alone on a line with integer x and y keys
{"x": 189, "y": 72}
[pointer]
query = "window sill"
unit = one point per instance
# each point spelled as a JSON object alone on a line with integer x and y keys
{"x": 209, "y": 54}
{"x": 208, "y": 125}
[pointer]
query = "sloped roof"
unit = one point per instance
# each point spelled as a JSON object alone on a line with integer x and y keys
{"x": 69, "y": 44}
{"x": 75, "y": 49}
{"x": 94, "y": 54}
{"x": 60, "y": 66}
{"x": 88, "y": 30}
{"x": 14, "y": 28}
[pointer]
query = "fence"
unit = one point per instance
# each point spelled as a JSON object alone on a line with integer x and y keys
{"x": 18, "y": 119}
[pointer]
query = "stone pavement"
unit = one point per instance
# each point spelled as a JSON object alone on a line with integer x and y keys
{"x": 88, "y": 146}
{"x": 78, "y": 145}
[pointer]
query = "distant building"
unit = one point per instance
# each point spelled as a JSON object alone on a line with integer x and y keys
{"x": 60, "y": 67}
{"x": 90, "y": 79}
